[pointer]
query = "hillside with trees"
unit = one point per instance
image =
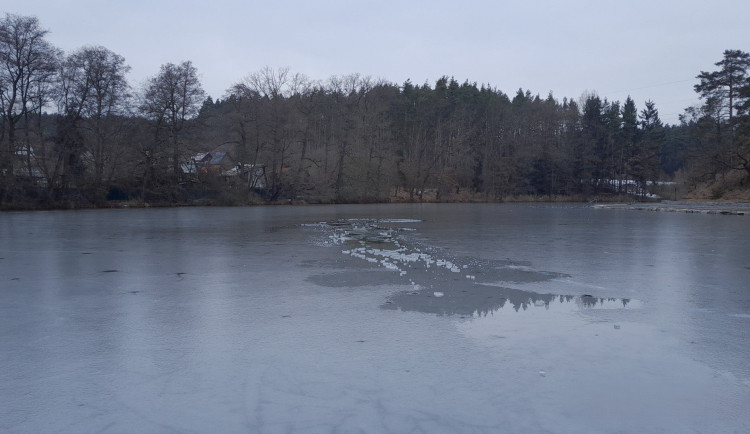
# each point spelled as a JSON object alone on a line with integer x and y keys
{"x": 74, "y": 133}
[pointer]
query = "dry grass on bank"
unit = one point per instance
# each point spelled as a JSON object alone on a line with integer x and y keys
{"x": 731, "y": 187}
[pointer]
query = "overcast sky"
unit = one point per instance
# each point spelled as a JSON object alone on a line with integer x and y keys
{"x": 647, "y": 49}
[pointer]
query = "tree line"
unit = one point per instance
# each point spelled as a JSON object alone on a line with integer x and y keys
{"x": 75, "y": 133}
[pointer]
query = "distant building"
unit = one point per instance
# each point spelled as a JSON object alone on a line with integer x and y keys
{"x": 254, "y": 176}
{"x": 26, "y": 166}
{"x": 221, "y": 162}
{"x": 208, "y": 163}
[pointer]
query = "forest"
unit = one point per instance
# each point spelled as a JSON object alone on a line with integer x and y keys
{"x": 74, "y": 133}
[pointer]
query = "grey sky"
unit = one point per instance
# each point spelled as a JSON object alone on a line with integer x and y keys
{"x": 648, "y": 49}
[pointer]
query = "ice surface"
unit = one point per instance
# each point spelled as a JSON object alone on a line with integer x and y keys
{"x": 299, "y": 319}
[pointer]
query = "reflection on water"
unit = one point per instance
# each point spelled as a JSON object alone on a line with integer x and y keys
{"x": 440, "y": 283}
{"x": 482, "y": 300}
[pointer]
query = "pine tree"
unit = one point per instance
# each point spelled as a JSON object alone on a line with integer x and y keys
{"x": 726, "y": 95}
{"x": 721, "y": 89}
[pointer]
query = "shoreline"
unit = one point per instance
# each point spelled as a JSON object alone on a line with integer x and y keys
{"x": 688, "y": 207}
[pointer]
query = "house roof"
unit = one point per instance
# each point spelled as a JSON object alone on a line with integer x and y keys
{"x": 230, "y": 148}
{"x": 202, "y": 157}
{"x": 217, "y": 157}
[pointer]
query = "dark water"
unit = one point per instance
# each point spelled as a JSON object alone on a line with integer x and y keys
{"x": 439, "y": 318}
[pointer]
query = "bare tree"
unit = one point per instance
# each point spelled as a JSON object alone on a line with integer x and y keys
{"x": 26, "y": 61}
{"x": 93, "y": 94}
{"x": 269, "y": 82}
{"x": 269, "y": 91}
{"x": 171, "y": 99}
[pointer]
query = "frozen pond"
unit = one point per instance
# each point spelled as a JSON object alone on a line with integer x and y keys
{"x": 374, "y": 318}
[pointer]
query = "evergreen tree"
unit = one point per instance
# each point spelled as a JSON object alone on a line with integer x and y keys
{"x": 593, "y": 142}
{"x": 645, "y": 164}
{"x": 726, "y": 94}
{"x": 630, "y": 136}
{"x": 721, "y": 89}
